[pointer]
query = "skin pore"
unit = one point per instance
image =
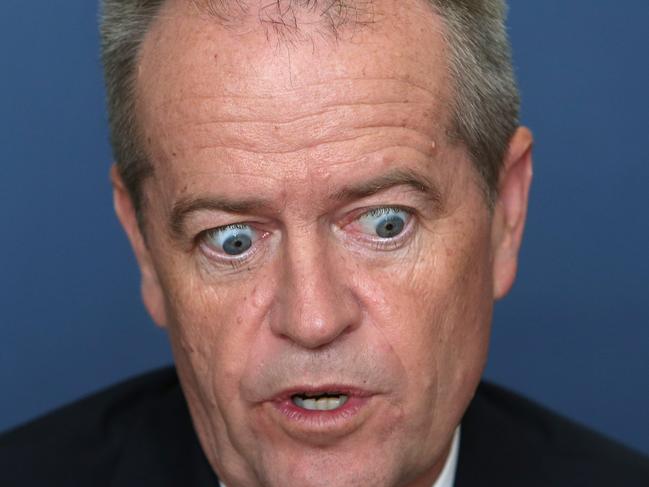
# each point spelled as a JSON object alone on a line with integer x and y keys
{"x": 297, "y": 151}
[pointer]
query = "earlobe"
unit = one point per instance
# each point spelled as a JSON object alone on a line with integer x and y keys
{"x": 511, "y": 210}
{"x": 152, "y": 294}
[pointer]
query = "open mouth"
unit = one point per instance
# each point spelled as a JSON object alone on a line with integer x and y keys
{"x": 320, "y": 402}
{"x": 331, "y": 411}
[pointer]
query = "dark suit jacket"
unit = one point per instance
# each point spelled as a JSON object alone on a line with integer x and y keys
{"x": 138, "y": 433}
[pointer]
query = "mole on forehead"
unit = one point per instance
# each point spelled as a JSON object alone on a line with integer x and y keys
{"x": 288, "y": 15}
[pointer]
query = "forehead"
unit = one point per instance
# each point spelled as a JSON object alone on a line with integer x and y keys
{"x": 408, "y": 28}
{"x": 189, "y": 53}
{"x": 254, "y": 87}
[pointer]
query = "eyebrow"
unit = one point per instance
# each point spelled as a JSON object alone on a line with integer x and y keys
{"x": 184, "y": 207}
{"x": 398, "y": 177}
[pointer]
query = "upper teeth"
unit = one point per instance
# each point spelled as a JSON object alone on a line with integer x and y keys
{"x": 320, "y": 404}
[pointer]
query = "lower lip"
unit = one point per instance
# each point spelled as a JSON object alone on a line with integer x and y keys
{"x": 338, "y": 420}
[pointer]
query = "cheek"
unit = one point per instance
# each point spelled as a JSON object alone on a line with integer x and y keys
{"x": 212, "y": 322}
{"x": 436, "y": 315}
{"x": 455, "y": 283}
{"x": 432, "y": 295}
{"x": 212, "y": 326}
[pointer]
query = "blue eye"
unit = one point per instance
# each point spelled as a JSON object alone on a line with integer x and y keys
{"x": 232, "y": 239}
{"x": 384, "y": 222}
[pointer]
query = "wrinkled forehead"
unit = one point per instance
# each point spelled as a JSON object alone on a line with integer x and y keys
{"x": 290, "y": 55}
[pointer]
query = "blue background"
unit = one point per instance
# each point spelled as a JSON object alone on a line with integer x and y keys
{"x": 574, "y": 333}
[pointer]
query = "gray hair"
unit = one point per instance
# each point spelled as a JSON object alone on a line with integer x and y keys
{"x": 485, "y": 105}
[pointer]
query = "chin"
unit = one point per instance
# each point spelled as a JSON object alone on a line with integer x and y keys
{"x": 329, "y": 469}
{"x": 349, "y": 464}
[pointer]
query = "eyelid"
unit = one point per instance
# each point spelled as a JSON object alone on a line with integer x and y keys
{"x": 225, "y": 228}
{"x": 220, "y": 257}
{"x": 384, "y": 210}
{"x": 354, "y": 215}
{"x": 378, "y": 243}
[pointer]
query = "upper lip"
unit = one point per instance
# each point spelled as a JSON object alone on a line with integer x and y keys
{"x": 347, "y": 390}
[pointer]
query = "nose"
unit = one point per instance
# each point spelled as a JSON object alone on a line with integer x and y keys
{"x": 315, "y": 302}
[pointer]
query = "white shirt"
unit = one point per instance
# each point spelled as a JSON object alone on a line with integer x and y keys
{"x": 447, "y": 477}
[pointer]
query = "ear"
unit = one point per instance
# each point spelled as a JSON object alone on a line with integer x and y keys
{"x": 510, "y": 210}
{"x": 151, "y": 289}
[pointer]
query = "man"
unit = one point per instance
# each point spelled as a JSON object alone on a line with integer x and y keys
{"x": 324, "y": 199}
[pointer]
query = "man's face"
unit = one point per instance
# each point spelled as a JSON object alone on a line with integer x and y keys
{"x": 318, "y": 248}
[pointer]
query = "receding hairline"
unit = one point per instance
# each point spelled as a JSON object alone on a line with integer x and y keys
{"x": 446, "y": 130}
{"x": 283, "y": 15}
{"x": 484, "y": 88}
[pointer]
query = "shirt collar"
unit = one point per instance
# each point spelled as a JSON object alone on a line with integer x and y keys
{"x": 447, "y": 477}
